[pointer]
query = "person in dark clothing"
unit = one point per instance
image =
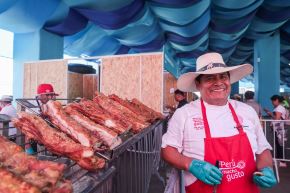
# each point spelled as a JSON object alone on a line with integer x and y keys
{"x": 180, "y": 98}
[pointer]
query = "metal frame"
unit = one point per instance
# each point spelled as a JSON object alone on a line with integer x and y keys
{"x": 271, "y": 137}
{"x": 141, "y": 159}
{"x": 133, "y": 162}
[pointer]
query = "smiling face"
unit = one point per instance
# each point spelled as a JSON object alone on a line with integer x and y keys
{"x": 214, "y": 88}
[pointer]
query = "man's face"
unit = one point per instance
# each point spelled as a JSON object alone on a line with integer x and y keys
{"x": 275, "y": 102}
{"x": 179, "y": 97}
{"x": 44, "y": 98}
{"x": 214, "y": 88}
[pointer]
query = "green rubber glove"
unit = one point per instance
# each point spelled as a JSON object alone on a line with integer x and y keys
{"x": 29, "y": 151}
{"x": 267, "y": 180}
{"x": 205, "y": 172}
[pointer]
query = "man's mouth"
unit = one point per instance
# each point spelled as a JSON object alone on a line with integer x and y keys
{"x": 218, "y": 89}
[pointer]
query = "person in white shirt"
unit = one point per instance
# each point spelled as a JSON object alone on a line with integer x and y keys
{"x": 217, "y": 141}
{"x": 279, "y": 113}
{"x": 249, "y": 96}
{"x": 9, "y": 110}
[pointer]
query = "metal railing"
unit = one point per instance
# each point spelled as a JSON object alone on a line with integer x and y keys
{"x": 139, "y": 162}
{"x": 277, "y": 134}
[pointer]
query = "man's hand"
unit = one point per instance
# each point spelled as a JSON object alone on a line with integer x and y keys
{"x": 266, "y": 179}
{"x": 205, "y": 172}
{"x": 29, "y": 151}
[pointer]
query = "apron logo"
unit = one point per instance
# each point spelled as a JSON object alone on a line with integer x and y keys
{"x": 232, "y": 170}
{"x": 198, "y": 123}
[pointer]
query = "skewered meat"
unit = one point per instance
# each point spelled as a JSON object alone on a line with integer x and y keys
{"x": 144, "y": 108}
{"x": 57, "y": 142}
{"x": 57, "y": 115}
{"x": 42, "y": 174}
{"x": 91, "y": 110}
{"x": 9, "y": 183}
{"x": 120, "y": 112}
{"x": 109, "y": 137}
{"x": 149, "y": 117}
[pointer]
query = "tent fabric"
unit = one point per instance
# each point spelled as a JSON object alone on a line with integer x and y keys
{"x": 183, "y": 29}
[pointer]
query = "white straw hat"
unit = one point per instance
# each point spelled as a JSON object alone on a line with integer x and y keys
{"x": 212, "y": 63}
{"x": 6, "y": 98}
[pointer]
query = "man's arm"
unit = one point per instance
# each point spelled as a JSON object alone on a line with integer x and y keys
{"x": 202, "y": 170}
{"x": 176, "y": 159}
{"x": 264, "y": 159}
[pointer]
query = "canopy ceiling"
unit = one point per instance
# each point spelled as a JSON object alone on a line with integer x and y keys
{"x": 183, "y": 28}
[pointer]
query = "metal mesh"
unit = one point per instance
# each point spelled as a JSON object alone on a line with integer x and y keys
{"x": 137, "y": 164}
{"x": 130, "y": 165}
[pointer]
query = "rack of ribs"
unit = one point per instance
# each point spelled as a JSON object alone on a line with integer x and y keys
{"x": 45, "y": 175}
{"x": 62, "y": 121}
{"x": 108, "y": 137}
{"x": 57, "y": 142}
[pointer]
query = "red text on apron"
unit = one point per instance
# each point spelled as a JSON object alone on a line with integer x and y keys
{"x": 236, "y": 160}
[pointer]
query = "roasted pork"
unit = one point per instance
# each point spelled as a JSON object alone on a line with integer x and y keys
{"x": 57, "y": 142}
{"x": 9, "y": 183}
{"x": 57, "y": 115}
{"x": 109, "y": 137}
{"x": 120, "y": 112}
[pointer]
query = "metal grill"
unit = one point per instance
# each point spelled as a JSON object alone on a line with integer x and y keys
{"x": 130, "y": 165}
{"x": 135, "y": 166}
{"x": 82, "y": 180}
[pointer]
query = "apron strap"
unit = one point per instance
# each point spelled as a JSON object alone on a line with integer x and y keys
{"x": 238, "y": 124}
{"x": 205, "y": 122}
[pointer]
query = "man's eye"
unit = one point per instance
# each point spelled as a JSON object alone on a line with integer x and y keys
{"x": 224, "y": 77}
{"x": 209, "y": 78}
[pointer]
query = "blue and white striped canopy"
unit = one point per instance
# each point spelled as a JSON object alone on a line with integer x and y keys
{"x": 184, "y": 29}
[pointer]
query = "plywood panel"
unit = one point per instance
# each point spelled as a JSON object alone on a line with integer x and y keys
{"x": 55, "y": 73}
{"x": 30, "y": 80}
{"x": 33, "y": 80}
{"x": 169, "y": 88}
{"x": 121, "y": 76}
{"x": 152, "y": 81}
{"x": 74, "y": 85}
{"x": 27, "y": 81}
{"x": 90, "y": 85}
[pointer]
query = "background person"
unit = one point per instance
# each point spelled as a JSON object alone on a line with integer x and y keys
{"x": 249, "y": 100}
{"x": 217, "y": 129}
{"x": 45, "y": 92}
{"x": 8, "y": 109}
{"x": 279, "y": 113}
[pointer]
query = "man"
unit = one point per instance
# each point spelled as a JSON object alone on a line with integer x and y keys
{"x": 45, "y": 92}
{"x": 215, "y": 130}
{"x": 249, "y": 96}
{"x": 8, "y": 109}
{"x": 237, "y": 97}
{"x": 180, "y": 97}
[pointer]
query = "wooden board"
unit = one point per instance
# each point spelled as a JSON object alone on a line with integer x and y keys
{"x": 53, "y": 72}
{"x": 75, "y": 85}
{"x": 134, "y": 76}
{"x": 27, "y": 81}
{"x": 90, "y": 85}
{"x": 152, "y": 81}
{"x": 121, "y": 76}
